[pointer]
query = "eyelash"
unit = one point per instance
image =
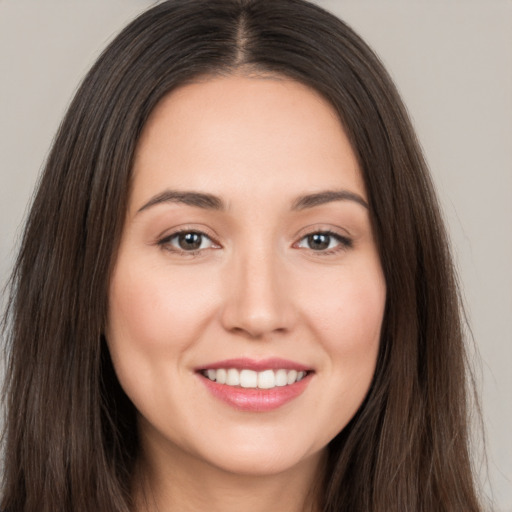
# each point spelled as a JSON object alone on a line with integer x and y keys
{"x": 343, "y": 242}
{"x": 166, "y": 242}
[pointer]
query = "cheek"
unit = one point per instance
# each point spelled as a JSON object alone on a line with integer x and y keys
{"x": 156, "y": 309}
{"x": 346, "y": 314}
{"x": 155, "y": 317}
{"x": 346, "y": 309}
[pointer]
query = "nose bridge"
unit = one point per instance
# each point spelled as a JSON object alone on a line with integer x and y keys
{"x": 256, "y": 300}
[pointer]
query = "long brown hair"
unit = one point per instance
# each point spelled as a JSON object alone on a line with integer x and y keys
{"x": 70, "y": 438}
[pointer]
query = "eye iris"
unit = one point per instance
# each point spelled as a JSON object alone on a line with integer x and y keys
{"x": 319, "y": 241}
{"x": 189, "y": 241}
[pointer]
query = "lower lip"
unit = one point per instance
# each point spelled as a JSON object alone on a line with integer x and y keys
{"x": 254, "y": 399}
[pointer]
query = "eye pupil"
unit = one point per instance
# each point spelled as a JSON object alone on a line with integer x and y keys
{"x": 319, "y": 241}
{"x": 189, "y": 241}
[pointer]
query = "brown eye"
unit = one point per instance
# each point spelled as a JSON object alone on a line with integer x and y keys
{"x": 318, "y": 241}
{"x": 187, "y": 241}
{"x": 324, "y": 241}
{"x": 190, "y": 241}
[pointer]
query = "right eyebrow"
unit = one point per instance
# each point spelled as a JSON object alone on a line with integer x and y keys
{"x": 198, "y": 199}
{"x": 327, "y": 196}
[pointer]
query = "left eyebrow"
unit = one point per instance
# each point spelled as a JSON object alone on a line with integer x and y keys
{"x": 197, "y": 199}
{"x": 327, "y": 196}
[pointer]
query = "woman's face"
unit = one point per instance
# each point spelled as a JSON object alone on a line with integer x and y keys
{"x": 247, "y": 297}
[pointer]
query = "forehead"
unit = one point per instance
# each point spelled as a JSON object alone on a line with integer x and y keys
{"x": 244, "y": 135}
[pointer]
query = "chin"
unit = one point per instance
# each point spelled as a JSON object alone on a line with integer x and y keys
{"x": 260, "y": 458}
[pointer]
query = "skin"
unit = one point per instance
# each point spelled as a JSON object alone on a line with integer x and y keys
{"x": 256, "y": 288}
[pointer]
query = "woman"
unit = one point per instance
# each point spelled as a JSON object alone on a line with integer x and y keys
{"x": 234, "y": 287}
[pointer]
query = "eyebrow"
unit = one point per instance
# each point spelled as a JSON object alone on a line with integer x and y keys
{"x": 198, "y": 199}
{"x": 327, "y": 196}
{"x": 211, "y": 202}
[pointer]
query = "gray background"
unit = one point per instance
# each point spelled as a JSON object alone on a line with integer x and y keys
{"x": 452, "y": 61}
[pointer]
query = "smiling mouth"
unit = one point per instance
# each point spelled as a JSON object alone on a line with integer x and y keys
{"x": 251, "y": 385}
{"x": 251, "y": 379}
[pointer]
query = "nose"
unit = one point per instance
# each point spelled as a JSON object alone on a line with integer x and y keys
{"x": 257, "y": 299}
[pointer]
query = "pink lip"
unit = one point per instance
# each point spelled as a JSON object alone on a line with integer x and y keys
{"x": 251, "y": 399}
{"x": 244, "y": 363}
{"x": 256, "y": 400}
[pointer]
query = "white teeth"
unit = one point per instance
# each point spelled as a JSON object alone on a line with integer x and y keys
{"x": 233, "y": 378}
{"x": 281, "y": 378}
{"x": 292, "y": 376}
{"x": 266, "y": 379}
{"x": 221, "y": 376}
{"x": 248, "y": 378}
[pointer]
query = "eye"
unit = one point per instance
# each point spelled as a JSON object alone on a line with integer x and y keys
{"x": 187, "y": 241}
{"x": 324, "y": 241}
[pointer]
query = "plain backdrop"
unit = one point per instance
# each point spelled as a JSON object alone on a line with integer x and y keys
{"x": 452, "y": 62}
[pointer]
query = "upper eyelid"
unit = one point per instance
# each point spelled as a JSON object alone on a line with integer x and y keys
{"x": 332, "y": 234}
{"x": 187, "y": 228}
{"x": 322, "y": 228}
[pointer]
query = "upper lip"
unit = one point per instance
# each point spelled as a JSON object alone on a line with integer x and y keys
{"x": 244, "y": 363}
